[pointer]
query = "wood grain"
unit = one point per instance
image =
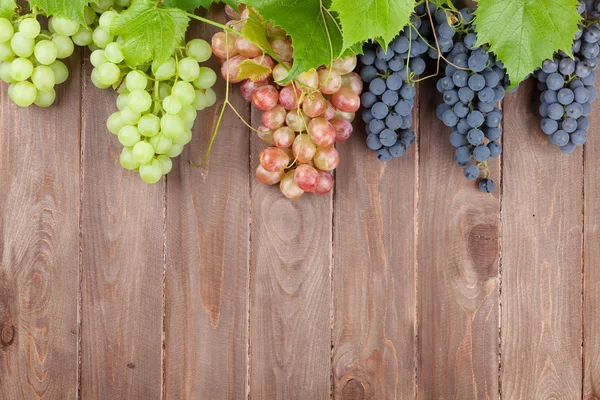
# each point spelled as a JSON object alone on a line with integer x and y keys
{"x": 208, "y": 211}
{"x": 374, "y": 275}
{"x": 591, "y": 312}
{"x": 458, "y": 258}
{"x": 542, "y": 245}
{"x": 39, "y": 245}
{"x": 290, "y": 297}
{"x": 123, "y": 241}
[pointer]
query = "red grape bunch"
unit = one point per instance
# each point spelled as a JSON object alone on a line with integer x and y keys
{"x": 302, "y": 118}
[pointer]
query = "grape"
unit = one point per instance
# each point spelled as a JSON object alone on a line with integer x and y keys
{"x": 486, "y": 185}
{"x": 288, "y": 186}
{"x": 172, "y": 126}
{"x": 64, "y": 46}
{"x": 21, "y": 69}
{"x": 113, "y": 53}
{"x": 471, "y": 172}
{"x": 61, "y": 72}
{"x": 199, "y": 50}
{"x": 30, "y": 28}
{"x": 83, "y": 37}
{"x": 6, "y": 30}
{"x": 128, "y": 135}
{"x": 114, "y": 123}
{"x": 481, "y": 153}
{"x": 151, "y": 172}
{"x": 126, "y": 159}
{"x": 326, "y": 158}
{"x": 135, "y": 80}
{"x": 107, "y": 18}
{"x": 23, "y": 93}
{"x": 22, "y": 45}
{"x": 43, "y": 78}
{"x": 129, "y": 117}
{"x": 143, "y": 152}
{"x": 269, "y": 178}
{"x": 495, "y": 149}
{"x": 161, "y": 143}
{"x": 101, "y": 37}
{"x": 265, "y": 97}
{"x": 64, "y": 26}
{"x": 185, "y": 92}
{"x": 138, "y": 101}
{"x": 108, "y": 73}
{"x": 165, "y": 70}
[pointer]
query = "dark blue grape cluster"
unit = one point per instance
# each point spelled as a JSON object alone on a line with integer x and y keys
{"x": 389, "y": 97}
{"x": 567, "y": 85}
{"x": 473, "y": 83}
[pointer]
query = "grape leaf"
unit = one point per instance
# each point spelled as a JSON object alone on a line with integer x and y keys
{"x": 7, "y": 8}
{"x": 254, "y": 31}
{"x": 150, "y": 33}
{"x": 315, "y": 33}
{"x": 524, "y": 33}
{"x": 254, "y": 71}
{"x": 71, "y": 9}
{"x": 362, "y": 20}
{"x": 191, "y": 5}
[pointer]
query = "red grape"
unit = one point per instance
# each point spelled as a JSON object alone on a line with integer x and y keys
{"x": 222, "y": 48}
{"x": 269, "y": 178}
{"x": 279, "y": 74}
{"x": 289, "y": 187}
{"x": 274, "y": 118}
{"x": 309, "y": 78}
{"x": 321, "y": 132}
{"x": 265, "y": 97}
{"x": 273, "y": 159}
{"x": 326, "y": 158}
{"x": 264, "y": 60}
{"x": 314, "y": 105}
{"x": 329, "y": 81}
{"x": 304, "y": 148}
{"x": 306, "y": 177}
{"x": 353, "y": 81}
{"x": 296, "y": 121}
{"x": 231, "y": 12}
{"x": 326, "y": 183}
{"x": 283, "y": 137}
{"x": 265, "y": 135}
{"x": 247, "y": 48}
{"x": 282, "y": 47}
{"x": 329, "y": 111}
{"x": 346, "y": 100}
{"x": 344, "y": 65}
{"x": 231, "y": 68}
{"x": 248, "y": 87}
{"x": 289, "y": 97}
{"x": 343, "y": 129}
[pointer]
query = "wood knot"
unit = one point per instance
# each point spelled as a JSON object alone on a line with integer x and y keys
{"x": 131, "y": 365}
{"x": 353, "y": 390}
{"x": 483, "y": 242}
{"x": 7, "y": 334}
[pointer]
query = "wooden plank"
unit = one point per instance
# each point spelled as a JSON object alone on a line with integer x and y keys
{"x": 208, "y": 213}
{"x": 290, "y": 291}
{"x": 39, "y": 250}
{"x": 122, "y": 230}
{"x": 591, "y": 229}
{"x": 374, "y": 277}
{"x": 542, "y": 245}
{"x": 458, "y": 258}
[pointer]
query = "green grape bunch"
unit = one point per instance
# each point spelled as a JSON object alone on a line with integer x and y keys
{"x": 157, "y": 104}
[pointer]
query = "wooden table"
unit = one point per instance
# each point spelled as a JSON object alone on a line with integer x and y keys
{"x": 407, "y": 282}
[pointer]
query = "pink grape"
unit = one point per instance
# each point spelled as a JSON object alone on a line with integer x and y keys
{"x": 329, "y": 111}
{"x": 329, "y": 81}
{"x": 289, "y": 187}
{"x": 247, "y": 87}
{"x": 269, "y": 178}
{"x": 282, "y": 47}
{"x": 343, "y": 129}
{"x": 273, "y": 31}
{"x": 265, "y": 97}
{"x": 236, "y": 25}
{"x": 265, "y": 61}
{"x": 247, "y": 48}
{"x": 306, "y": 177}
{"x": 326, "y": 183}
{"x": 265, "y": 135}
{"x": 274, "y": 118}
{"x": 326, "y": 158}
{"x": 346, "y": 100}
{"x": 296, "y": 121}
{"x": 321, "y": 132}
{"x": 231, "y": 12}
{"x": 289, "y": 96}
{"x": 244, "y": 14}
{"x": 273, "y": 159}
{"x": 221, "y": 48}
{"x": 314, "y": 105}
{"x": 231, "y": 68}
{"x": 353, "y": 81}
{"x": 284, "y": 137}
{"x": 309, "y": 78}
{"x": 344, "y": 65}
{"x": 304, "y": 149}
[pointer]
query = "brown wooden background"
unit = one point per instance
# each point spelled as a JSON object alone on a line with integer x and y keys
{"x": 406, "y": 283}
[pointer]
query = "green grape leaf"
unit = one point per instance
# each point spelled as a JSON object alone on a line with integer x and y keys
{"x": 7, "y": 8}
{"x": 150, "y": 33}
{"x": 191, "y": 5}
{"x": 362, "y": 20}
{"x": 254, "y": 31}
{"x": 254, "y": 71}
{"x": 315, "y": 33}
{"x": 71, "y": 9}
{"x": 524, "y": 33}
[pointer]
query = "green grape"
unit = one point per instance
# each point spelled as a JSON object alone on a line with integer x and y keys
{"x": 172, "y": 126}
{"x": 139, "y": 101}
{"x": 185, "y": 92}
{"x": 166, "y": 70}
{"x": 22, "y": 45}
{"x": 23, "y": 94}
{"x": 189, "y": 70}
{"x": 6, "y": 30}
{"x": 166, "y": 163}
{"x": 45, "y": 52}
{"x": 43, "y": 78}
{"x": 98, "y": 57}
{"x": 121, "y": 41}
{"x": 114, "y": 123}
{"x": 188, "y": 114}
{"x": 96, "y": 80}
{"x": 64, "y": 46}
{"x": 45, "y": 99}
{"x": 113, "y": 53}
{"x": 172, "y": 105}
{"x": 83, "y": 37}
{"x": 143, "y": 152}
{"x": 136, "y": 80}
{"x": 64, "y": 26}
{"x": 164, "y": 90}
{"x": 206, "y": 78}
{"x": 149, "y": 125}
{"x": 6, "y": 53}
{"x": 108, "y": 73}
{"x": 5, "y": 72}
{"x": 199, "y": 50}
{"x": 123, "y": 3}
{"x": 21, "y": 69}
{"x": 101, "y": 37}
{"x": 126, "y": 159}
{"x": 161, "y": 143}
{"x": 184, "y": 139}
{"x": 61, "y": 72}
{"x": 89, "y": 15}
{"x": 30, "y": 28}
{"x": 200, "y": 100}
{"x": 130, "y": 117}
{"x": 174, "y": 151}
{"x": 129, "y": 135}
{"x": 103, "y": 5}
{"x": 106, "y": 19}
{"x": 211, "y": 97}
{"x": 122, "y": 100}
{"x": 151, "y": 172}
